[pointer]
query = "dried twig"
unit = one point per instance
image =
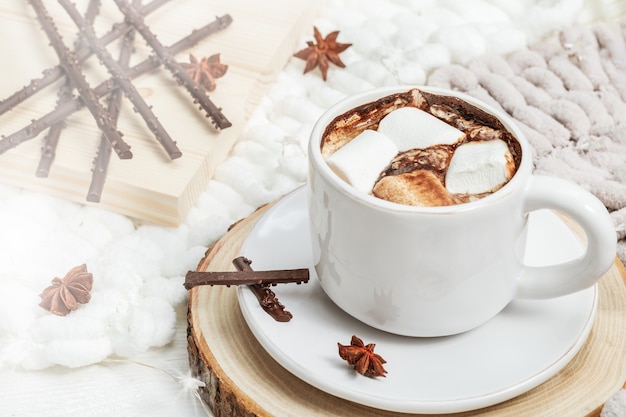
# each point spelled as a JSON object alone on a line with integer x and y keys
{"x": 48, "y": 151}
{"x": 52, "y": 74}
{"x": 101, "y": 161}
{"x": 63, "y": 111}
{"x": 168, "y": 60}
{"x": 122, "y": 80}
{"x": 70, "y": 64}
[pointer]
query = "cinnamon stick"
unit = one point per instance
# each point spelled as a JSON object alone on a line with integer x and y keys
{"x": 246, "y": 277}
{"x": 63, "y": 111}
{"x": 50, "y": 75}
{"x": 167, "y": 59}
{"x": 122, "y": 80}
{"x": 70, "y": 64}
{"x": 267, "y": 298}
{"x": 48, "y": 151}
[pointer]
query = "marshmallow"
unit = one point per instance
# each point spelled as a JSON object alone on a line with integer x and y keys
{"x": 414, "y": 188}
{"x": 410, "y": 127}
{"x": 360, "y": 161}
{"x": 479, "y": 167}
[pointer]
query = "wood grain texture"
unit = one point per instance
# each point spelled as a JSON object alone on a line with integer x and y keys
{"x": 150, "y": 186}
{"x": 243, "y": 380}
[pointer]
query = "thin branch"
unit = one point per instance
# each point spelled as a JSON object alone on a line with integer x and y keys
{"x": 48, "y": 151}
{"x": 62, "y": 112}
{"x": 72, "y": 69}
{"x": 52, "y": 74}
{"x": 122, "y": 80}
{"x": 103, "y": 157}
{"x": 198, "y": 93}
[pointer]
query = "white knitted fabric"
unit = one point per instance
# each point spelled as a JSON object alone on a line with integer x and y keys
{"x": 568, "y": 94}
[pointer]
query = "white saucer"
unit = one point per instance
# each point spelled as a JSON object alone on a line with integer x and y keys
{"x": 522, "y": 347}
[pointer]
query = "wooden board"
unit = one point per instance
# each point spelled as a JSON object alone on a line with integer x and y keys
{"x": 243, "y": 380}
{"x": 150, "y": 186}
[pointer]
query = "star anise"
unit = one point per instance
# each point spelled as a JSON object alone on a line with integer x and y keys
{"x": 363, "y": 358}
{"x": 205, "y": 71}
{"x": 320, "y": 53}
{"x": 65, "y": 294}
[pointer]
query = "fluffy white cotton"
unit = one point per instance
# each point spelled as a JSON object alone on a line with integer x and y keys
{"x": 413, "y": 29}
{"x": 151, "y": 323}
{"x": 443, "y": 17}
{"x": 173, "y": 242}
{"x": 217, "y": 208}
{"x": 43, "y": 237}
{"x": 257, "y": 184}
{"x": 72, "y": 353}
{"x": 17, "y": 307}
{"x": 479, "y": 12}
{"x": 325, "y": 97}
{"x": 431, "y": 56}
{"x": 346, "y": 83}
{"x": 373, "y": 72}
{"x": 411, "y": 74}
{"x": 464, "y": 42}
{"x": 542, "y": 18}
{"x": 299, "y": 108}
{"x": 49, "y": 327}
{"x": 363, "y": 40}
{"x": 170, "y": 290}
{"x": 504, "y": 39}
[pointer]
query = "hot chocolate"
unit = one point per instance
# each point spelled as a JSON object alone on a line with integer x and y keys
{"x": 421, "y": 149}
{"x": 436, "y": 271}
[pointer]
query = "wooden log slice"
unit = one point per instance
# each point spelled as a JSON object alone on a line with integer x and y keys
{"x": 243, "y": 380}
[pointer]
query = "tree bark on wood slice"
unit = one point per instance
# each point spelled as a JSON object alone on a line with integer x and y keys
{"x": 243, "y": 380}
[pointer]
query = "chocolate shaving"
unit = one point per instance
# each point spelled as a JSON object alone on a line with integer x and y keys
{"x": 70, "y": 64}
{"x": 66, "y": 109}
{"x": 48, "y": 151}
{"x": 284, "y": 276}
{"x": 267, "y": 298}
{"x": 167, "y": 59}
{"x": 123, "y": 82}
{"x": 53, "y": 74}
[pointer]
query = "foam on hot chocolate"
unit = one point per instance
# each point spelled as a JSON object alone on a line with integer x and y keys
{"x": 421, "y": 149}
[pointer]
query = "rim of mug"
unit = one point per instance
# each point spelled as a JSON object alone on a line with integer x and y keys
{"x": 354, "y": 100}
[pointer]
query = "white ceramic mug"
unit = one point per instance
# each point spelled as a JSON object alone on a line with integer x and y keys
{"x": 434, "y": 271}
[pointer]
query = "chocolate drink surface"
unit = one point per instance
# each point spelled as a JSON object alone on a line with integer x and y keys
{"x": 421, "y": 149}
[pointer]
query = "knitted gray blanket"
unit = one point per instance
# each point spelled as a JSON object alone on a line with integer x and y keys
{"x": 568, "y": 94}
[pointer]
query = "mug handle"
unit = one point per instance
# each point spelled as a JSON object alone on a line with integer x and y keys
{"x": 544, "y": 192}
